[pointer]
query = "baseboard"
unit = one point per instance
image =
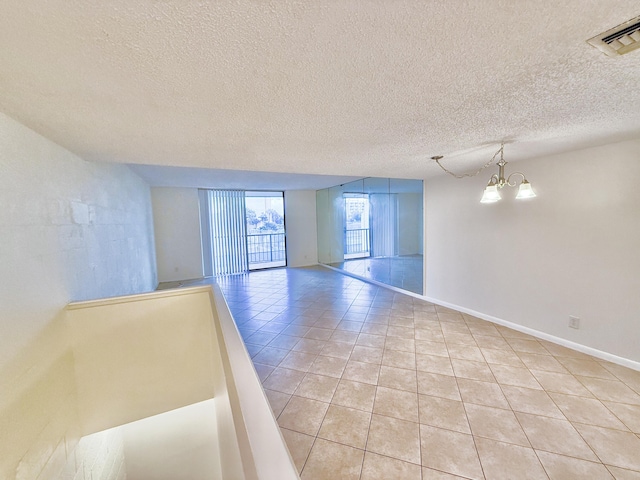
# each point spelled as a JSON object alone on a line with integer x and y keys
{"x": 625, "y": 362}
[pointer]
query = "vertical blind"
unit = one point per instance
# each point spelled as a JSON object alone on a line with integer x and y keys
{"x": 384, "y": 224}
{"x": 224, "y": 232}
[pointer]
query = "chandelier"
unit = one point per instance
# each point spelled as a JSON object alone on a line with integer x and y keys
{"x": 497, "y": 181}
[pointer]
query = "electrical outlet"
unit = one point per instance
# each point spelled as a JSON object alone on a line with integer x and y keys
{"x": 574, "y": 322}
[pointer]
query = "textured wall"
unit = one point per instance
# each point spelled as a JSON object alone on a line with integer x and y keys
{"x": 573, "y": 250}
{"x": 69, "y": 230}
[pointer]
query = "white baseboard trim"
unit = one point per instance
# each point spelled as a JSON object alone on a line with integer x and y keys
{"x": 625, "y": 362}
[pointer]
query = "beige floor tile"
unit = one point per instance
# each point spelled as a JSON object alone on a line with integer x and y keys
{"x": 443, "y": 413}
{"x": 511, "y": 333}
{"x": 627, "y": 375}
{"x": 344, "y": 336}
{"x": 518, "y": 377}
{"x": 431, "y": 474}
{"x": 394, "y": 438}
{"x": 504, "y": 461}
{"x": 542, "y": 362}
{"x": 263, "y": 371}
{"x": 629, "y": 414}
{"x": 527, "y": 400}
{"x": 406, "y": 321}
{"x": 398, "y": 378}
{"x": 482, "y": 393}
{"x": 472, "y": 370}
{"x": 270, "y": 356}
{"x": 329, "y": 366}
{"x": 587, "y": 410}
{"x": 527, "y": 346}
{"x": 346, "y": 425}
{"x": 337, "y": 349}
{"x": 501, "y": 357}
{"x": 285, "y": 342}
{"x": 610, "y": 390}
{"x": 493, "y": 342}
{"x": 496, "y": 424}
{"x": 398, "y": 359}
{"x": 376, "y": 319}
{"x": 361, "y": 372}
{"x": 457, "y": 327}
{"x": 299, "y": 446}
{"x": 459, "y": 339}
{"x": 316, "y": 333}
{"x": 623, "y": 473}
{"x": 586, "y": 368}
{"x": 561, "y": 467}
{"x": 559, "y": 351}
{"x": 284, "y": 380}
{"x": 402, "y": 344}
{"x": 561, "y": 383}
{"x": 450, "y": 452}
{"x": 402, "y": 332}
{"x": 442, "y": 386}
{"x": 303, "y": 415}
{"x": 298, "y": 361}
{"x": 426, "y": 347}
{"x": 370, "y": 340}
{"x": 374, "y": 329}
{"x": 350, "y": 326}
{"x": 326, "y": 323}
{"x": 329, "y": 460}
{"x": 483, "y": 329}
{"x": 465, "y": 352}
{"x": 308, "y": 345}
{"x": 367, "y": 354}
{"x": 620, "y": 449}
{"x": 317, "y": 387}
{"x": 450, "y": 316}
{"x": 396, "y": 403}
{"x": 429, "y": 335}
{"x": 434, "y": 364}
{"x": 377, "y": 467}
{"x": 295, "y": 330}
{"x": 555, "y": 436}
{"x": 355, "y": 395}
{"x": 277, "y": 400}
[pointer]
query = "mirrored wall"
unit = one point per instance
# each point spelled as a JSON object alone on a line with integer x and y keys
{"x": 373, "y": 228}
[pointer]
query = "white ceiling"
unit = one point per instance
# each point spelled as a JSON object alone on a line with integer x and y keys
{"x": 347, "y": 88}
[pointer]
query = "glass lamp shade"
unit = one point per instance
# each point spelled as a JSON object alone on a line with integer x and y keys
{"x": 525, "y": 191}
{"x": 490, "y": 195}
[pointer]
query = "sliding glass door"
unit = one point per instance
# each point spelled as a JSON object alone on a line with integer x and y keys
{"x": 241, "y": 231}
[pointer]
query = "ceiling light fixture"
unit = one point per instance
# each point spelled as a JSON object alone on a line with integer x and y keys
{"x": 497, "y": 181}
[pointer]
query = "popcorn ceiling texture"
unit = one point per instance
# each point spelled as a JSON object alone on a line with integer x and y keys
{"x": 345, "y": 88}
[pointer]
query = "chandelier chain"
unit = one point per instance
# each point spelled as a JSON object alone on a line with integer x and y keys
{"x": 464, "y": 175}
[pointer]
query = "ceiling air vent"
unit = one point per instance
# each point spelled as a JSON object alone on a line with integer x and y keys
{"x": 619, "y": 40}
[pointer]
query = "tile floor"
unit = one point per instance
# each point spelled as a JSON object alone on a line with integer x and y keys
{"x": 370, "y": 384}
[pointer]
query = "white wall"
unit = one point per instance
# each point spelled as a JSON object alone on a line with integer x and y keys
{"x": 69, "y": 230}
{"x": 300, "y": 218}
{"x": 176, "y": 220}
{"x": 573, "y": 250}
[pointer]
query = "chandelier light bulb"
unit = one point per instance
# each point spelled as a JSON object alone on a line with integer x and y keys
{"x": 525, "y": 191}
{"x": 491, "y": 194}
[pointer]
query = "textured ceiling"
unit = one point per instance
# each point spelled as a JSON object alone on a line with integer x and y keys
{"x": 358, "y": 88}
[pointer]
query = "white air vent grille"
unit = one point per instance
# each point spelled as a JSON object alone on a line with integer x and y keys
{"x": 619, "y": 40}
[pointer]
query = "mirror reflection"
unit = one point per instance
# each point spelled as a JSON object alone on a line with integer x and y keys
{"x": 373, "y": 228}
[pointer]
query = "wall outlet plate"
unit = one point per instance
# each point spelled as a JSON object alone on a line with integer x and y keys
{"x": 574, "y": 322}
